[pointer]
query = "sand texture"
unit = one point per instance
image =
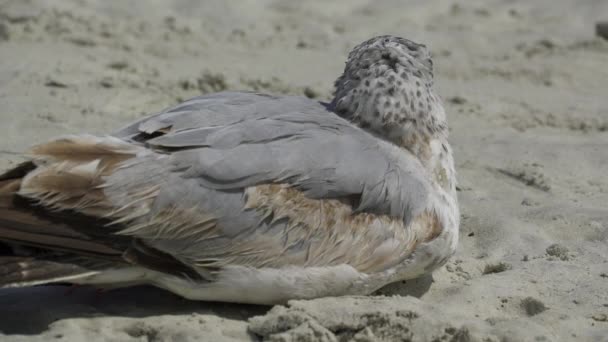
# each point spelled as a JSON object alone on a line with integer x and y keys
{"x": 525, "y": 84}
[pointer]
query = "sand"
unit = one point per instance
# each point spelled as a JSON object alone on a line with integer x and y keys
{"x": 524, "y": 84}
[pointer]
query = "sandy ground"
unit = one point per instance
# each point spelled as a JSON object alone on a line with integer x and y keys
{"x": 525, "y": 85}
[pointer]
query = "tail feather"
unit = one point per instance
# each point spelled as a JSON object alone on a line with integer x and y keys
{"x": 26, "y": 271}
{"x": 53, "y": 209}
{"x": 46, "y": 243}
{"x": 25, "y": 227}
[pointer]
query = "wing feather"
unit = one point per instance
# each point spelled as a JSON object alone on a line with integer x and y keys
{"x": 236, "y": 156}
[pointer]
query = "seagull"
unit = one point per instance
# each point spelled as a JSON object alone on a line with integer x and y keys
{"x": 247, "y": 197}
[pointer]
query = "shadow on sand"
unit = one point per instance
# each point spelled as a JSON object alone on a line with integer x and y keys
{"x": 29, "y": 311}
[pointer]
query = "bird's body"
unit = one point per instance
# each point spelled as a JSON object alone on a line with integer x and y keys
{"x": 245, "y": 197}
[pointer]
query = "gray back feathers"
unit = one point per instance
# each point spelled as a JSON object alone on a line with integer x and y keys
{"x": 232, "y": 140}
{"x": 215, "y": 147}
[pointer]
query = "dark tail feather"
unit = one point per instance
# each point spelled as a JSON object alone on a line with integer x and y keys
{"x": 64, "y": 245}
{"x": 25, "y": 271}
{"x": 24, "y": 224}
{"x": 35, "y": 250}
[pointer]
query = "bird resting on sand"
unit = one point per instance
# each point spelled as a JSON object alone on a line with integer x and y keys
{"x": 247, "y": 197}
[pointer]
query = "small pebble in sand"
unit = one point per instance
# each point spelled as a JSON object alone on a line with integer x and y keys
{"x": 482, "y": 12}
{"x": 4, "y": 32}
{"x": 600, "y": 317}
{"x": 301, "y": 45}
{"x": 210, "y": 82}
{"x": 82, "y": 41}
{"x": 558, "y": 251}
{"x": 601, "y": 29}
{"x": 106, "y": 83}
{"x": 530, "y": 175}
{"x": 119, "y": 65}
{"x": 457, "y": 100}
{"x": 514, "y": 13}
{"x": 310, "y": 93}
{"x": 496, "y": 268}
{"x": 140, "y": 329}
{"x": 532, "y": 306}
{"x": 528, "y": 202}
{"x": 55, "y": 84}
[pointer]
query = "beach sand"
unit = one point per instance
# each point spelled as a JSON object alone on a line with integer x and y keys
{"x": 525, "y": 87}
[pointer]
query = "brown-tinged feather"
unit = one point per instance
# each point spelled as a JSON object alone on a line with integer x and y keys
{"x": 67, "y": 185}
{"x": 417, "y": 144}
{"x": 57, "y": 204}
{"x": 429, "y": 224}
{"x": 71, "y": 172}
{"x": 333, "y": 233}
{"x": 85, "y": 148}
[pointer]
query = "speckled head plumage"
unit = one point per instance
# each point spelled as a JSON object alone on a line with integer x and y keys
{"x": 387, "y": 88}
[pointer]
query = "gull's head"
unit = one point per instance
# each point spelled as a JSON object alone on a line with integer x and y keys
{"x": 387, "y": 89}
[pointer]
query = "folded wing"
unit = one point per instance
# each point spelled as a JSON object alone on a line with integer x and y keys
{"x": 234, "y": 179}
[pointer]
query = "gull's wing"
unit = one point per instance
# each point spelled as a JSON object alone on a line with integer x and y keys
{"x": 233, "y": 140}
{"x": 235, "y": 179}
{"x": 281, "y": 175}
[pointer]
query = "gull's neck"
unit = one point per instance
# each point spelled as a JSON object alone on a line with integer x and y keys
{"x": 387, "y": 89}
{"x": 434, "y": 153}
{"x": 423, "y": 134}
